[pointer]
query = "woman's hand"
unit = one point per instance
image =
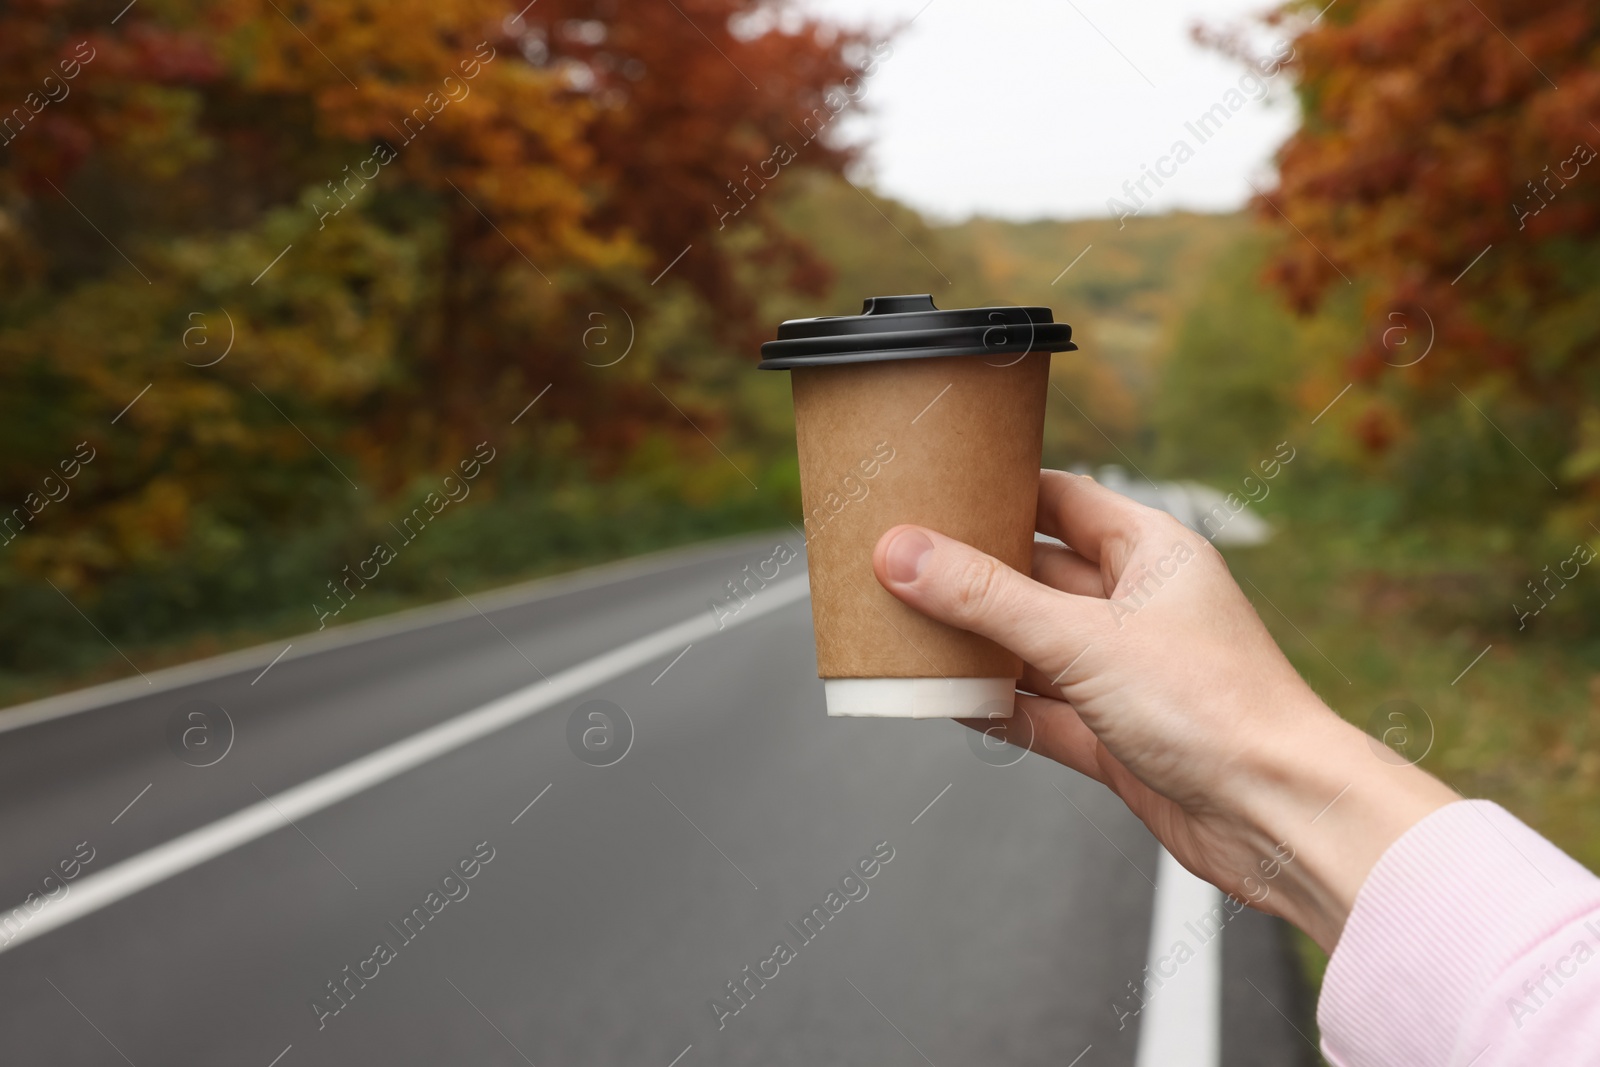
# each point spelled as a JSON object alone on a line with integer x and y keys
{"x": 1154, "y": 676}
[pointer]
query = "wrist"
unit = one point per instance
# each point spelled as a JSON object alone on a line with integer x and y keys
{"x": 1326, "y": 801}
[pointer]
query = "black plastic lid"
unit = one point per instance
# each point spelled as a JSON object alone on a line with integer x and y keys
{"x": 910, "y": 327}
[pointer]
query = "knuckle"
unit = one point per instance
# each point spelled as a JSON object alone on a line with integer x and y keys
{"x": 1206, "y": 550}
{"x": 978, "y": 586}
{"x": 1161, "y": 523}
{"x": 1170, "y": 529}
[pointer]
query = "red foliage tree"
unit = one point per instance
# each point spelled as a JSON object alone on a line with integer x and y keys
{"x": 1445, "y": 165}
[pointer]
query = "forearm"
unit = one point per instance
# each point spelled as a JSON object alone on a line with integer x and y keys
{"x": 1328, "y": 795}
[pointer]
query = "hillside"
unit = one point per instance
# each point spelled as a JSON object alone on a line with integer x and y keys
{"x": 1125, "y": 292}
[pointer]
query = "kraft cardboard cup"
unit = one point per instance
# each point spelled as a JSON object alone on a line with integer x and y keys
{"x": 909, "y": 414}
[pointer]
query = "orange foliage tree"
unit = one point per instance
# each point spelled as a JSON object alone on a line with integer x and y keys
{"x": 392, "y": 215}
{"x": 1446, "y": 170}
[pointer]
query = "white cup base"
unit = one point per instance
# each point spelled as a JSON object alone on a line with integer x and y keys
{"x": 920, "y": 698}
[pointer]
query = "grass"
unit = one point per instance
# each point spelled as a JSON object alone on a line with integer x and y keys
{"x": 1520, "y": 725}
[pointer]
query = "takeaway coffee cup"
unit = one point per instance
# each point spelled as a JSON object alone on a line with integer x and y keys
{"x": 906, "y": 413}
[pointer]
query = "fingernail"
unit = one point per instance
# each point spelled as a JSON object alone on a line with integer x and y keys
{"x": 904, "y": 558}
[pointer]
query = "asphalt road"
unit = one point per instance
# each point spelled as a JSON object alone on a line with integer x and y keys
{"x": 1015, "y": 908}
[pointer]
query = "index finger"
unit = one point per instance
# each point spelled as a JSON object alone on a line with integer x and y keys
{"x": 1094, "y": 521}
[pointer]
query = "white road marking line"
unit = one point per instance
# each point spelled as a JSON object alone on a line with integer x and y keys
{"x": 1181, "y": 1022}
{"x": 409, "y": 621}
{"x": 267, "y": 816}
{"x": 679, "y": 1056}
{"x": 280, "y": 1056}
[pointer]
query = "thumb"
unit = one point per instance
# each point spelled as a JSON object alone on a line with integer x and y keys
{"x": 963, "y": 587}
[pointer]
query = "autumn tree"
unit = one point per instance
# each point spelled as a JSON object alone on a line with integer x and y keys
{"x": 1445, "y": 171}
{"x": 275, "y": 265}
{"x": 398, "y": 214}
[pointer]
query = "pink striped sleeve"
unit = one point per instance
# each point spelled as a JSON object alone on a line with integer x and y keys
{"x": 1474, "y": 941}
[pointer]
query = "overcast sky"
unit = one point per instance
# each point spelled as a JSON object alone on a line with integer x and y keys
{"x": 1032, "y": 108}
